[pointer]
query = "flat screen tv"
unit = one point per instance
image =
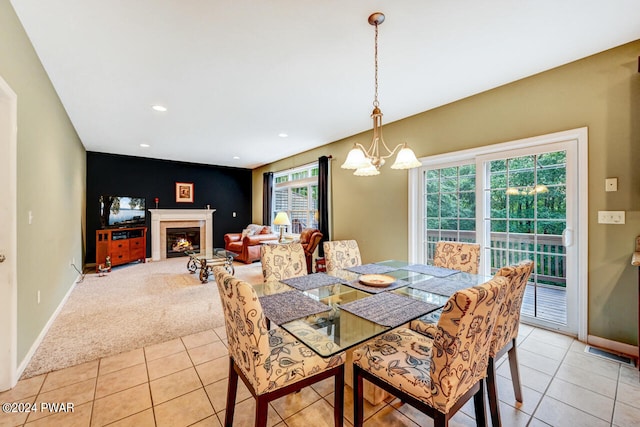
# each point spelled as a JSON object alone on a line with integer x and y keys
{"x": 122, "y": 211}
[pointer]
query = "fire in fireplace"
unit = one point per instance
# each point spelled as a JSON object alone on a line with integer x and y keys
{"x": 182, "y": 239}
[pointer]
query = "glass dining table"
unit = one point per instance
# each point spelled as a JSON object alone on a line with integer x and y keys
{"x": 334, "y": 313}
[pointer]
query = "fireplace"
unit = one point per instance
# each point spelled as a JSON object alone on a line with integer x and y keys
{"x": 166, "y": 219}
{"x": 182, "y": 239}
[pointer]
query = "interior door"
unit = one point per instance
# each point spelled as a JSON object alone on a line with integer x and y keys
{"x": 8, "y": 239}
{"x": 529, "y": 212}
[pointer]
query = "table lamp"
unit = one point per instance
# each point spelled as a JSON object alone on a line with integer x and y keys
{"x": 281, "y": 220}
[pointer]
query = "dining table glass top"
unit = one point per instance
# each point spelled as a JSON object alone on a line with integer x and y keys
{"x": 337, "y": 329}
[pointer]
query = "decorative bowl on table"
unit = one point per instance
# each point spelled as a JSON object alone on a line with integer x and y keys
{"x": 377, "y": 280}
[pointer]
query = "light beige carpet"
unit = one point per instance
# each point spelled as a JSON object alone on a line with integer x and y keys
{"x": 133, "y": 306}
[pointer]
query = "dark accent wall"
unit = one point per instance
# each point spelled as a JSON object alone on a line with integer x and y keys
{"x": 225, "y": 189}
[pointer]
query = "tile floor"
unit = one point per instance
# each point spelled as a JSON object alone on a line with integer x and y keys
{"x": 183, "y": 383}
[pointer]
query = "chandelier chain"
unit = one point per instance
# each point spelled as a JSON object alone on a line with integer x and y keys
{"x": 375, "y": 50}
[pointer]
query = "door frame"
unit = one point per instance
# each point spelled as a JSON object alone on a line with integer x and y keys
{"x": 8, "y": 220}
{"x": 581, "y": 238}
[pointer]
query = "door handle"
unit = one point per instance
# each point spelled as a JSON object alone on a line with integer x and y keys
{"x": 567, "y": 237}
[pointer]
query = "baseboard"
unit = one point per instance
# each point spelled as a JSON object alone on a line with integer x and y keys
{"x": 27, "y": 358}
{"x": 614, "y": 346}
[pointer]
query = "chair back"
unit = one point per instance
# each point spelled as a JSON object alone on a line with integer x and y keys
{"x": 247, "y": 332}
{"x": 509, "y": 318}
{"x": 341, "y": 254}
{"x": 310, "y": 238}
{"x": 457, "y": 256}
{"x": 461, "y": 345}
{"x": 282, "y": 261}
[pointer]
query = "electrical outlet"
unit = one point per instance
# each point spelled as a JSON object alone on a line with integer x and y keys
{"x": 611, "y": 217}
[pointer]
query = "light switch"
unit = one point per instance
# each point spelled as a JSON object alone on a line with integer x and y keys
{"x": 611, "y": 217}
{"x": 611, "y": 184}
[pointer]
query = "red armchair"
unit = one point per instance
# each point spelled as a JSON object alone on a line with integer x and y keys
{"x": 310, "y": 238}
{"x": 248, "y": 246}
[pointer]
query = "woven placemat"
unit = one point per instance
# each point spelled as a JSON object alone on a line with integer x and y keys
{"x": 312, "y": 281}
{"x": 290, "y": 305}
{"x": 441, "y": 286}
{"x": 388, "y": 309}
{"x": 377, "y": 289}
{"x": 431, "y": 270}
{"x": 371, "y": 269}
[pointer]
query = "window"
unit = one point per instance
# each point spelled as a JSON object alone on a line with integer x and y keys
{"x": 295, "y": 191}
{"x": 450, "y": 206}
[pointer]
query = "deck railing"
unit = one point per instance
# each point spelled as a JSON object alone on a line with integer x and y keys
{"x": 507, "y": 249}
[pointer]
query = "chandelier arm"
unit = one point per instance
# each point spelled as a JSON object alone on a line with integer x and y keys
{"x": 391, "y": 152}
{"x": 372, "y": 152}
{"x": 364, "y": 150}
{"x": 378, "y": 138}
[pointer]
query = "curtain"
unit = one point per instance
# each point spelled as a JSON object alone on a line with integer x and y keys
{"x": 267, "y": 196}
{"x": 323, "y": 201}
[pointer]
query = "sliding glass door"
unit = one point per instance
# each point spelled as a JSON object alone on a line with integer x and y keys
{"x": 527, "y": 215}
{"x": 518, "y": 203}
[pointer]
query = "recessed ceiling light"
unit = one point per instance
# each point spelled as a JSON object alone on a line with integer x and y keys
{"x": 158, "y": 107}
{"x": 236, "y": 158}
{"x": 283, "y": 135}
{"x": 145, "y": 145}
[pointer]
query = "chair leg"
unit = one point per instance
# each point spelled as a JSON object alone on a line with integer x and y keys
{"x": 232, "y": 388}
{"x": 515, "y": 374}
{"x": 358, "y": 397}
{"x": 492, "y": 392}
{"x": 440, "y": 419}
{"x": 338, "y": 404}
{"x": 478, "y": 403}
{"x": 262, "y": 411}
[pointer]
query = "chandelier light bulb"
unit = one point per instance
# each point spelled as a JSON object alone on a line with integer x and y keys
{"x": 355, "y": 159}
{"x": 406, "y": 159}
{"x": 368, "y": 170}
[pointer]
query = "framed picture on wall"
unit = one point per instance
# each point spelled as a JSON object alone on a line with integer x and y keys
{"x": 184, "y": 192}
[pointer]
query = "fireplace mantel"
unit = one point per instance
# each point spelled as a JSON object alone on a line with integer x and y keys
{"x": 162, "y": 218}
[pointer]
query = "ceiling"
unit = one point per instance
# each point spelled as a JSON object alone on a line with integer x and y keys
{"x": 235, "y": 74}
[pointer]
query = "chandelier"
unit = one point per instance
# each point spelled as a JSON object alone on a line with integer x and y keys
{"x": 368, "y": 162}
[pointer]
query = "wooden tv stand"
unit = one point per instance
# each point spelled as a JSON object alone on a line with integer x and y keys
{"x": 122, "y": 245}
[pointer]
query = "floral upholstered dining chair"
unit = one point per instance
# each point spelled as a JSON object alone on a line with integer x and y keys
{"x": 454, "y": 255}
{"x": 340, "y": 254}
{"x": 282, "y": 261}
{"x": 506, "y": 332}
{"x": 457, "y": 256}
{"x": 271, "y": 363}
{"x": 436, "y": 375}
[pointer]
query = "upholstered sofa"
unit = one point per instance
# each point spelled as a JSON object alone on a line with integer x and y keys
{"x": 247, "y": 244}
